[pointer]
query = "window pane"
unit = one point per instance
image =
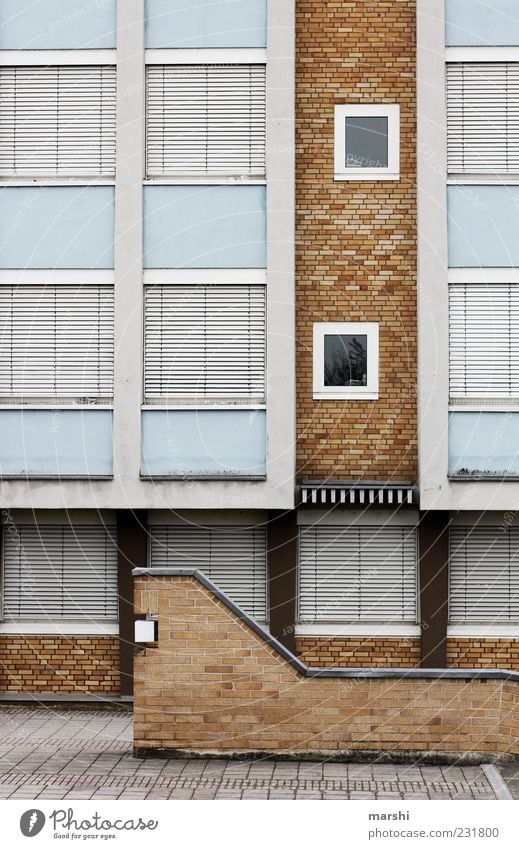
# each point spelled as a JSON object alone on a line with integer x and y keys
{"x": 366, "y": 142}
{"x": 345, "y": 360}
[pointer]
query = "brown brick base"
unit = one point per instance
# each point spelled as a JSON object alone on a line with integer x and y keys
{"x": 491, "y": 653}
{"x": 54, "y": 664}
{"x": 359, "y": 651}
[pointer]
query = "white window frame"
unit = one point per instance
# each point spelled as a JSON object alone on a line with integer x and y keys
{"x": 370, "y": 392}
{"x": 382, "y": 110}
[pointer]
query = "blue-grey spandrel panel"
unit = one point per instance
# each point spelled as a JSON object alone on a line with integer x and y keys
{"x": 204, "y": 443}
{"x": 205, "y": 227}
{"x": 473, "y": 23}
{"x": 483, "y": 226}
{"x": 55, "y": 443}
{"x": 57, "y": 227}
{"x": 57, "y": 24}
{"x": 206, "y": 23}
{"x": 484, "y": 444}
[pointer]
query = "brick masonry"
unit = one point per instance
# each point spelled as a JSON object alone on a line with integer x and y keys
{"x": 213, "y": 685}
{"x": 356, "y": 241}
{"x": 56, "y": 664}
{"x": 483, "y": 653}
{"x": 359, "y": 651}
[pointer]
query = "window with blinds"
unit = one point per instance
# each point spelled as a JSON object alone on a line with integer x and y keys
{"x": 60, "y": 572}
{"x": 233, "y": 557}
{"x": 484, "y": 574}
{"x": 484, "y": 340}
{"x": 56, "y": 342}
{"x": 482, "y": 116}
{"x": 205, "y": 343}
{"x": 357, "y": 573}
{"x": 58, "y": 120}
{"x": 206, "y": 119}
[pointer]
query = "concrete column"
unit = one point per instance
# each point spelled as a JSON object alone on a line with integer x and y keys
{"x": 128, "y": 243}
{"x": 282, "y": 576}
{"x": 434, "y": 587}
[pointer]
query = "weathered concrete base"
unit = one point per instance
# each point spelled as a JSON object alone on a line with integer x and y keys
{"x": 352, "y": 756}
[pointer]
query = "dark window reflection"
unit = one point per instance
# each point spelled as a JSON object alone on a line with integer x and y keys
{"x": 366, "y": 142}
{"x": 345, "y": 360}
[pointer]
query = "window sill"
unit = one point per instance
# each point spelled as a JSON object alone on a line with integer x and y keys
{"x": 361, "y": 629}
{"x": 60, "y": 628}
{"x": 368, "y": 176}
{"x": 482, "y": 631}
{"x": 343, "y": 396}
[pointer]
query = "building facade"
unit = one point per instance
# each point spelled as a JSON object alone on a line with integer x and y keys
{"x": 250, "y": 254}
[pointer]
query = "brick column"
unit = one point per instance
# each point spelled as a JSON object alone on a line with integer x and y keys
{"x": 434, "y": 587}
{"x": 132, "y": 542}
{"x": 282, "y": 578}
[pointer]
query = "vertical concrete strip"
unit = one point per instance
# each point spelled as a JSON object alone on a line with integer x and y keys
{"x": 434, "y": 587}
{"x": 433, "y": 310}
{"x": 282, "y": 576}
{"x": 128, "y": 243}
{"x": 132, "y": 542}
{"x": 281, "y": 426}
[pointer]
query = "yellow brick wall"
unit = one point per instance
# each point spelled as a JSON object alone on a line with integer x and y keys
{"x": 212, "y": 684}
{"x": 356, "y": 241}
{"x": 474, "y": 652}
{"x": 55, "y": 664}
{"x": 359, "y": 651}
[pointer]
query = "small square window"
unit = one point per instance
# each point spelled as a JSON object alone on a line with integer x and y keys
{"x": 346, "y": 361}
{"x": 367, "y": 142}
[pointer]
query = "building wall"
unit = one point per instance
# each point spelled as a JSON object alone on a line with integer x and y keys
{"x": 359, "y": 651}
{"x": 356, "y": 242}
{"x": 117, "y": 232}
{"x": 58, "y": 664}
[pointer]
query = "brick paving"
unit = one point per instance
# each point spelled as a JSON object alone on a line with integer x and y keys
{"x": 59, "y": 753}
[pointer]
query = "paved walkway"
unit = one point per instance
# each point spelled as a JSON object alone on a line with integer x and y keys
{"x": 50, "y": 753}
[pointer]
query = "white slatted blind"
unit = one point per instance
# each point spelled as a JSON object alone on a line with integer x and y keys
{"x": 58, "y": 120}
{"x": 357, "y": 573}
{"x": 205, "y": 342}
{"x": 56, "y": 341}
{"x": 206, "y": 119}
{"x": 483, "y": 116}
{"x": 233, "y": 557}
{"x": 60, "y": 572}
{"x": 484, "y": 340}
{"x": 484, "y": 574}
